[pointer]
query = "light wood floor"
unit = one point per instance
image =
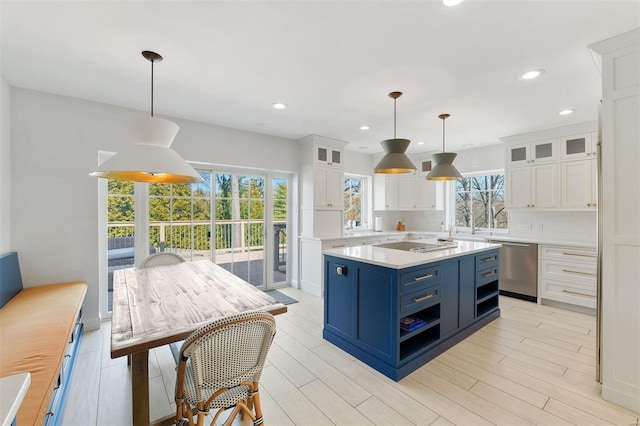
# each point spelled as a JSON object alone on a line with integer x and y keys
{"x": 534, "y": 365}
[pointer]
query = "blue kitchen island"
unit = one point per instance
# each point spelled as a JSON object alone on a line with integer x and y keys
{"x": 440, "y": 296}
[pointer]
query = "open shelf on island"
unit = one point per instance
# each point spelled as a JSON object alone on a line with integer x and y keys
{"x": 487, "y": 305}
{"x": 486, "y": 290}
{"x": 419, "y": 341}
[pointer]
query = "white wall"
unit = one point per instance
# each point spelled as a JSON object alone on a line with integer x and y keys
{"x": 480, "y": 159}
{"x": 54, "y": 209}
{"x": 5, "y": 166}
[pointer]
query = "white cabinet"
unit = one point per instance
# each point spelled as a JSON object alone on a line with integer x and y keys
{"x": 328, "y": 156}
{"x": 405, "y": 192}
{"x": 578, "y": 183}
{"x": 578, "y": 146}
{"x": 532, "y": 152}
{"x": 530, "y": 187}
{"x": 426, "y": 194}
{"x": 568, "y": 275}
{"x": 327, "y": 186}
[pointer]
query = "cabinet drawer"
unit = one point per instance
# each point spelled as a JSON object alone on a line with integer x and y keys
{"x": 570, "y": 271}
{"x": 566, "y": 292}
{"x": 487, "y": 260}
{"x": 418, "y": 300}
{"x": 572, "y": 254}
{"x": 419, "y": 278}
{"x": 486, "y": 276}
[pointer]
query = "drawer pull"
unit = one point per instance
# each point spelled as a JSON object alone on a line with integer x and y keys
{"x": 489, "y": 259}
{"x": 579, "y": 272}
{"x": 578, "y": 293}
{"x": 488, "y": 274}
{"x": 423, "y": 298}
{"x": 580, "y": 254}
{"x": 423, "y": 277}
{"x": 338, "y": 245}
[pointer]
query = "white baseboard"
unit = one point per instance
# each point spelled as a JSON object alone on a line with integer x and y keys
{"x": 91, "y": 323}
{"x": 627, "y": 400}
{"x": 295, "y": 284}
{"x": 311, "y": 288}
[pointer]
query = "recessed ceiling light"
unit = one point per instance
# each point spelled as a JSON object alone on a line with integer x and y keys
{"x": 420, "y": 143}
{"x": 467, "y": 146}
{"x": 529, "y": 75}
{"x": 566, "y": 111}
{"x": 451, "y": 2}
{"x": 365, "y": 127}
{"x": 279, "y": 105}
{"x": 362, "y": 147}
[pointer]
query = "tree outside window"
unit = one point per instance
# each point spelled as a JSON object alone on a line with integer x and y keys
{"x": 352, "y": 202}
{"x": 480, "y": 202}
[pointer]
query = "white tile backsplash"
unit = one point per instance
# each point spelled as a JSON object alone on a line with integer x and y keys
{"x": 578, "y": 227}
{"x": 414, "y": 220}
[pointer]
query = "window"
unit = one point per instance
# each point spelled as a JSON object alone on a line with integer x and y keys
{"x": 180, "y": 218}
{"x": 354, "y": 209}
{"x": 479, "y": 202}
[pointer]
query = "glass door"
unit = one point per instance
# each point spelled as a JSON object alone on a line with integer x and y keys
{"x": 240, "y": 243}
{"x": 279, "y": 219}
{"x": 180, "y": 218}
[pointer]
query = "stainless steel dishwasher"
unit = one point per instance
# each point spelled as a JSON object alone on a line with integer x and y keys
{"x": 518, "y": 270}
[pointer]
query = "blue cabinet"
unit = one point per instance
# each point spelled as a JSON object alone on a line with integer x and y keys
{"x": 445, "y": 301}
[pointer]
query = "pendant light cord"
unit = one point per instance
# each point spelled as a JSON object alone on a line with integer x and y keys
{"x": 443, "y": 135}
{"x": 152, "y": 88}
{"x": 394, "y": 117}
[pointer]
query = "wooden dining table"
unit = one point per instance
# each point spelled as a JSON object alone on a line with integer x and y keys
{"x": 164, "y": 304}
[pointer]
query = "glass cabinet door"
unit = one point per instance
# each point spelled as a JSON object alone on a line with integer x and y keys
{"x": 577, "y": 146}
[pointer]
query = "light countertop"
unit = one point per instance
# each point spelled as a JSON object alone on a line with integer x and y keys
{"x": 13, "y": 389}
{"x": 399, "y": 259}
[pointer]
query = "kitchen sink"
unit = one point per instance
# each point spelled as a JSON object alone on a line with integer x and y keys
{"x": 417, "y": 247}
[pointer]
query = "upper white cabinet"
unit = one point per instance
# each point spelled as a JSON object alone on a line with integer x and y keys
{"x": 578, "y": 182}
{"x": 545, "y": 170}
{"x": 405, "y": 192}
{"x": 577, "y": 146}
{"x": 328, "y": 156}
{"x": 321, "y": 186}
{"x": 327, "y": 188}
{"x": 532, "y": 187}
{"x": 532, "y": 152}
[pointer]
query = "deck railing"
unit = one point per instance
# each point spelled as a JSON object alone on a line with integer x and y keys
{"x": 188, "y": 235}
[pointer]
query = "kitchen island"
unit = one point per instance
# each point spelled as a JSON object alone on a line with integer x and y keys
{"x": 440, "y": 296}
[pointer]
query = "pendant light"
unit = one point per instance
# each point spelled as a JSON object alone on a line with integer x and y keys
{"x": 395, "y": 160}
{"x": 149, "y": 158}
{"x": 444, "y": 169}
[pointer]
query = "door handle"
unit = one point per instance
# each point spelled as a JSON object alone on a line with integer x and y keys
{"x": 423, "y": 277}
{"x": 513, "y": 244}
{"x": 579, "y": 272}
{"x": 578, "y": 293}
{"x": 423, "y": 298}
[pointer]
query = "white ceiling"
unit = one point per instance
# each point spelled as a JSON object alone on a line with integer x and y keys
{"x": 332, "y": 62}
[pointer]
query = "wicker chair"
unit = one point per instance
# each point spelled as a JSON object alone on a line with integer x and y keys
{"x": 163, "y": 258}
{"x": 220, "y": 365}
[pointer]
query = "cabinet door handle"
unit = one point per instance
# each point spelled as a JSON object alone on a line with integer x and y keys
{"x": 338, "y": 245}
{"x": 579, "y": 254}
{"x": 489, "y": 259}
{"x": 488, "y": 274}
{"x": 579, "y": 272}
{"x": 420, "y": 299}
{"x": 423, "y": 277}
{"x": 578, "y": 293}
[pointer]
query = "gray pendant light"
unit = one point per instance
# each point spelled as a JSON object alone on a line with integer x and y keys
{"x": 444, "y": 169}
{"x": 149, "y": 158}
{"x": 395, "y": 160}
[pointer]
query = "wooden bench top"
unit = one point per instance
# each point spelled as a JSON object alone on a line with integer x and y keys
{"x": 35, "y": 327}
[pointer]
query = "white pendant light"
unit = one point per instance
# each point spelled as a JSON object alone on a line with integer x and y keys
{"x": 395, "y": 160}
{"x": 149, "y": 158}
{"x": 444, "y": 169}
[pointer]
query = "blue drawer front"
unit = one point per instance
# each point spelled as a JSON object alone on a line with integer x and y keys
{"x": 487, "y": 260}
{"x": 419, "y": 278}
{"x": 486, "y": 276}
{"x": 421, "y": 299}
